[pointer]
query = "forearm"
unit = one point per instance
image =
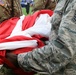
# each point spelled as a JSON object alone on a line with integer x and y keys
{"x": 50, "y": 58}
{"x": 47, "y": 60}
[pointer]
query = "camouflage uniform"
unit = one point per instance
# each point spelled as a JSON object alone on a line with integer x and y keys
{"x": 6, "y": 13}
{"x": 58, "y": 57}
{"x": 6, "y": 71}
{"x": 43, "y": 4}
{"x": 10, "y": 8}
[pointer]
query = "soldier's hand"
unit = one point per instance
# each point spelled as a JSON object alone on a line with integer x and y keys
{"x": 12, "y": 58}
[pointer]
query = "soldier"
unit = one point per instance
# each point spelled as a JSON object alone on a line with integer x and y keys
{"x": 58, "y": 57}
{"x": 9, "y": 8}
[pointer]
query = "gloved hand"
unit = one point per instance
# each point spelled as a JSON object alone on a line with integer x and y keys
{"x": 12, "y": 58}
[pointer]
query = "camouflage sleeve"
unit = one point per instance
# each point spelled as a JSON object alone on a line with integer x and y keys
{"x": 58, "y": 13}
{"x": 58, "y": 53}
{"x": 7, "y": 7}
{"x": 38, "y": 5}
{"x": 15, "y": 6}
{"x": 44, "y": 4}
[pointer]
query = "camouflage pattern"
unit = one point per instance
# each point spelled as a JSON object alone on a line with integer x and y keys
{"x": 7, "y": 10}
{"x": 58, "y": 57}
{"x": 6, "y": 71}
{"x": 43, "y": 4}
{"x": 6, "y": 13}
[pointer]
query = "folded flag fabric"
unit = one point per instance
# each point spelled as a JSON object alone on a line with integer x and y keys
{"x": 25, "y": 33}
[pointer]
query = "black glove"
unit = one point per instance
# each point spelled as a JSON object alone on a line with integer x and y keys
{"x": 12, "y": 58}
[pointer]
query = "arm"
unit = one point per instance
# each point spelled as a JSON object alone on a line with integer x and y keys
{"x": 58, "y": 53}
{"x": 38, "y": 5}
{"x": 15, "y": 6}
{"x": 6, "y": 9}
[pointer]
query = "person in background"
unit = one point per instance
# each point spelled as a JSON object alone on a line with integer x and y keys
{"x": 58, "y": 57}
{"x": 9, "y": 8}
{"x": 29, "y": 2}
{"x": 26, "y": 4}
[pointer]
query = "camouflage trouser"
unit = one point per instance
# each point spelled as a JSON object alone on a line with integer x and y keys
{"x": 6, "y": 71}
